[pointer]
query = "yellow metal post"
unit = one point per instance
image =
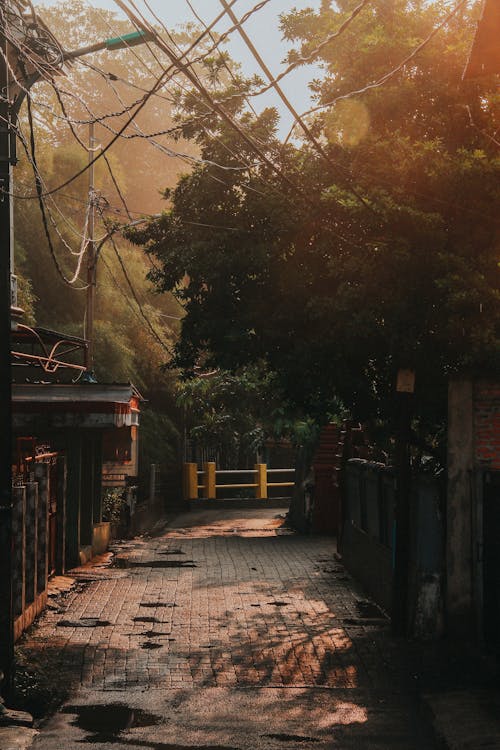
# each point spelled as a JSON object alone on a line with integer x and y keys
{"x": 209, "y": 490}
{"x": 190, "y": 481}
{"x": 261, "y": 481}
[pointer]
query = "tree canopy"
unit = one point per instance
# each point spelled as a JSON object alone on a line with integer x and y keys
{"x": 337, "y": 266}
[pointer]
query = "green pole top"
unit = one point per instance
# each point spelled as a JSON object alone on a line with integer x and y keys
{"x": 128, "y": 40}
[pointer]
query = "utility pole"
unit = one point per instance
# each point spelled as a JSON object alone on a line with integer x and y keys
{"x": 7, "y": 158}
{"x": 10, "y": 103}
{"x": 91, "y": 259}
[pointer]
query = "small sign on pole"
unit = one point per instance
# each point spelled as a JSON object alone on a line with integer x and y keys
{"x": 405, "y": 382}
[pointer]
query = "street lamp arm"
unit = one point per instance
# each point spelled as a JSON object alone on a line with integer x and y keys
{"x": 111, "y": 44}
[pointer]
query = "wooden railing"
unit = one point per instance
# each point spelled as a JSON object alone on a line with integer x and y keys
{"x": 207, "y": 481}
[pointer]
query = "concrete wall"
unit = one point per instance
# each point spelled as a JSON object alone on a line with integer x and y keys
{"x": 459, "y": 513}
{"x": 473, "y": 452}
{"x": 370, "y": 562}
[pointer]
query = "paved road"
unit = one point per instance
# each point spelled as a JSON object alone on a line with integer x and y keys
{"x": 225, "y": 633}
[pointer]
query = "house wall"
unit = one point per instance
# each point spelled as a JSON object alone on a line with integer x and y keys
{"x": 473, "y": 466}
{"x": 120, "y": 456}
{"x": 486, "y": 417}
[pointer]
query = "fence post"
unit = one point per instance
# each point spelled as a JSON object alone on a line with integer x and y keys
{"x": 261, "y": 481}
{"x": 31, "y": 584}
{"x": 209, "y": 490}
{"x": 190, "y": 481}
{"x": 19, "y": 554}
{"x": 62, "y": 478}
{"x": 42, "y": 476}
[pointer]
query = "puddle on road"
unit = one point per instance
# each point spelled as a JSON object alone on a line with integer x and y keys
{"x": 85, "y": 622}
{"x": 172, "y": 552}
{"x": 151, "y": 646}
{"x": 154, "y": 605}
{"x": 123, "y": 562}
{"x": 290, "y": 737}
{"x": 155, "y": 634}
{"x": 104, "y": 723}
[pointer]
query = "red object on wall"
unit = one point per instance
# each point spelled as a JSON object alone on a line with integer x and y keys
{"x": 487, "y": 424}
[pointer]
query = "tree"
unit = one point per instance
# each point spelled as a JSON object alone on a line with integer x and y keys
{"x": 134, "y": 326}
{"x": 338, "y": 272}
{"x": 234, "y": 414}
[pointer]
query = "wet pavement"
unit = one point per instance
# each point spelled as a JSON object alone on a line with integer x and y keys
{"x": 223, "y": 632}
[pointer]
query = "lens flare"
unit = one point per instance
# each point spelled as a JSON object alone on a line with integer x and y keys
{"x": 348, "y": 123}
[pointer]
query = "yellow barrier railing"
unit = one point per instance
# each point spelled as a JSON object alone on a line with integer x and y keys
{"x": 206, "y": 480}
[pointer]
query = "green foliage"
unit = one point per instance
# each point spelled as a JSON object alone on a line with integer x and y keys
{"x": 224, "y": 412}
{"x": 120, "y": 319}
{"x": 113, "y": 504}
{"x": 159, "y": 439}
{"x": 125, "y": 347}
{"x": 235, "y": 413}
{"x": 337, "y": 273}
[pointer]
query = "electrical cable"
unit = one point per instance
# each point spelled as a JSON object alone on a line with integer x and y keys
{"x": 136, "y": 298}
{"x": 70, "y": 225}
{"x": 205, "y": 94}
{"x": 38, "y": 186}
{"x": 117, "y": 187}
{"x": 298, "y": 119}
{"x": 222, "y": 57}
{"x": 157, "y": 85}
{"x": 387, "y": 76}
{"x": 126, "y": 297}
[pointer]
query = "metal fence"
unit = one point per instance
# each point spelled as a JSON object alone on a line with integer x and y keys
{"x": 211, "y": 482}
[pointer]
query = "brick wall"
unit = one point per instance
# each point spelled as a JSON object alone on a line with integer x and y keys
{"x": 486, "y": 405}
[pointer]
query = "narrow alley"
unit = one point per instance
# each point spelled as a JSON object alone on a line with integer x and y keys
{"x": 224, "y": 631}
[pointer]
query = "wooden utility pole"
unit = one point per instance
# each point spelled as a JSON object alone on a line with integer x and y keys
{"x": 91, "y": 259}
{"x": 7, "y": 158}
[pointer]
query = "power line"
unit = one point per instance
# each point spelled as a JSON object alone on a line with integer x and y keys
{"x": 117, "y": 187}
{"x": 130, "y": 305}
{"x": 157, "y": 85}
{"x": 387, "y": 76}
{"x": 150, "y": 326}
{"x": 185, "y": 67}
{"x": 39, "y": 189}
{"x": 222, "y": 57}
{"x": 298, "y": 119}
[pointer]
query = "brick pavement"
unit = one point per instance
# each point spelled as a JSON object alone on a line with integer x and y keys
{"x": 228, "y": 603}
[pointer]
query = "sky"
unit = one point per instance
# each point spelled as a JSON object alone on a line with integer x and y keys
{"x": 263, "y": 29}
